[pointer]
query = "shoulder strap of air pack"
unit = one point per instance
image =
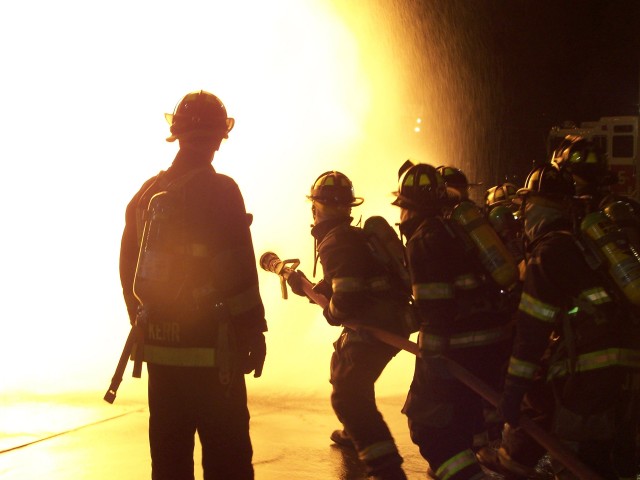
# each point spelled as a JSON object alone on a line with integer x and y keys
{"x": 159, "y": 184}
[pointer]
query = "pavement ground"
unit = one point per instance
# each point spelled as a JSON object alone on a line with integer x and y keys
{"x": 86, "y": 438}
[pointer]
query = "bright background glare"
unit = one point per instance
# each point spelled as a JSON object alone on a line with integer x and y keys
{"x": 314, "y": 85}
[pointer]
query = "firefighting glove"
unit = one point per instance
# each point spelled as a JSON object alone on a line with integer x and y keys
{"x": 254, "y": 351}
{"x": 509, "y": 405}
{"x": 295, "y": 280}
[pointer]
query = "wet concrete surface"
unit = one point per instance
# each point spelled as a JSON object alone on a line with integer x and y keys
{"x": 86, "y": 438}
{"x": 81, "y": 437}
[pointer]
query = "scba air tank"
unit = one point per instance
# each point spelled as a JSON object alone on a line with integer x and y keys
{"x": 493, "y": 254}
{"x": 622, "y": 261}
{"x": 508, "y": 229}
{"x": 158, "y": 260}
{"x": 623, "y": 215}
{"x": 391, "y": 246}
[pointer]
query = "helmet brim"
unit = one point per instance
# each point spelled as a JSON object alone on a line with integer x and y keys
{"x": 169, "y": 117}
{"x": 357, "y": 201}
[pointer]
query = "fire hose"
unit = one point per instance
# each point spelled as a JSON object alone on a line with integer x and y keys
{"x": 270, "y": 262}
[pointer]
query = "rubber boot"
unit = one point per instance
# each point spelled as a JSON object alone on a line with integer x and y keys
{"x": 342, "y": 438}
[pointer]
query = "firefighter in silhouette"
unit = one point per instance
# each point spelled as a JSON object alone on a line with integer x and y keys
{"x": 458, "y": 186}
{"x": 502, "y": 213}
{"x": 458, "y": 190}
{"x": 500, "y": 196}
{"x": 361, "y": 290}
{"x": 459, "y": 317}
{"x": 594, "y": 180}
{"x": 576, "y": 380}
{"x": 188, "y": 273}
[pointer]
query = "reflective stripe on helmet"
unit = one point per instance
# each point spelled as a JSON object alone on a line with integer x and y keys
{"x": 521, "y": 368}
{"x": 537, "y": 309}
{"x": 432, "y": 291}
{"x": 610, "y": 357}
{"x": 456, "y": 464}
{"x": 180, "y": 357}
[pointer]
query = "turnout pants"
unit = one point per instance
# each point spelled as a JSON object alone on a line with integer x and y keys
{"x": 356, "y": 364}
{"x": 594, "y": 413}
{"x": 444, "y": 414}
{"x": 186, "y": 400}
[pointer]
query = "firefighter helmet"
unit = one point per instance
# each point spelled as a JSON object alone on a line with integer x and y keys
{"x": 405, "y": 166}
{"x": 199, "y": 114}
{"x": 549, "y": 181}
{"x": 583, "y": 158}
{"x": 334, "y": 188}
{"x": 453, "y": 177}
{"x": 421, "y": 186}
{"x": 501, "y": 194}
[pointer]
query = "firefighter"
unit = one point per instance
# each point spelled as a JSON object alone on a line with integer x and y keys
{"x": 574, "y": 345}
{"x": 502, "y": 213}
{"x": 458, "y": 190}
{"x": 594, "y": 179}
{"x": 458, "y": 185}
{"x": 361, "y": 290}
{"x": 500, "y": 195}
{"x": 459, "y": 318}
{"x": 188, "y": 274}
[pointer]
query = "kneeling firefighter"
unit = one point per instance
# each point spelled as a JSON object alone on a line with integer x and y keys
{"x": 361, "y": 290}
{"x": 189, "y": 278}
{"x": 460, "y": 316}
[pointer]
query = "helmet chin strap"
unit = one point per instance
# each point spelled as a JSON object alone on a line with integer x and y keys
{"x": 315, "y": 256}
